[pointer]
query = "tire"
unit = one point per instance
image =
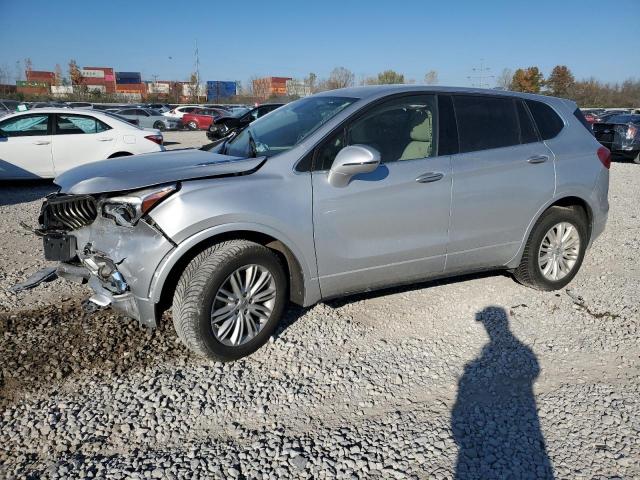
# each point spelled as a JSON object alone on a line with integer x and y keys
{"x": 198, "y": 291}
{"x": 192, "y": 125}
{"x": 160, "y": 126}
{"x": 636, "y": 159}
{"x": 530, "y": 272}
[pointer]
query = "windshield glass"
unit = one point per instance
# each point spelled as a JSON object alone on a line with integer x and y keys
{"x": 286, "y": 126}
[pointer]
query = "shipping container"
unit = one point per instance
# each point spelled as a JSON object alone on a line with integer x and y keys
{"x": 97, "y": 88}
{"x": 217, "y": 89}
{"x": 158, "y": 88}
{"x": 33, "y": 90}
{"x": 128, "y": 77}
{"x": 131, "y": 88}
{"x": 92, "y": 73}
{"x": 61, "y": 90}
{"x": 32, "y": 84}
{"x": 40, "y": 76}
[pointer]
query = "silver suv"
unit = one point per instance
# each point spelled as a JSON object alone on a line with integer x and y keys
{"x": 342, "y": 192}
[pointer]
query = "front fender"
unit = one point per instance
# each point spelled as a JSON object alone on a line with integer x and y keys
{"x": 311, "y": 284}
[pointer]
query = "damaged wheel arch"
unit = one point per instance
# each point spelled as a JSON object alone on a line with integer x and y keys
{"x": 302, "y": 290}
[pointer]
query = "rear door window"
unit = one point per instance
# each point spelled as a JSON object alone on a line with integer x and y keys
{"x": 78, "y": 124}
{"x": 547, "y": 120}
{"x": 486, "y": 122}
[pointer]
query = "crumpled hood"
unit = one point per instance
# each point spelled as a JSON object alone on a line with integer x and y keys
{"x": 140, "y": 171}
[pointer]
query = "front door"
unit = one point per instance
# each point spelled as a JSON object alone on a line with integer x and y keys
{"x": 391, "y": 225}
{"x": 25, "y": 147}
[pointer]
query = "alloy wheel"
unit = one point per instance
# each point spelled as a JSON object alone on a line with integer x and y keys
{"x": 243, "y": 304}
{"x": 559, "y": 251}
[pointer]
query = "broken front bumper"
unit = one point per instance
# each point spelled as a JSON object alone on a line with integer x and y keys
{"x": 118, "y": 264}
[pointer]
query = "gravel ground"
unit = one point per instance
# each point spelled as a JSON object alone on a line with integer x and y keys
{"x": 474, "y": 377}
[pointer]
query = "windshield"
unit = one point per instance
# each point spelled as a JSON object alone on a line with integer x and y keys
{"x": 286, "y": 126}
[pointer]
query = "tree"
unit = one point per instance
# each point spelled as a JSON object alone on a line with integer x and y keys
{"x": 529, "y": 80}
{"x": 58, "y": 80}
{"x": 560, "y": 81}
{"x": 431, "y": 77}
{"x": 28, "y": 67}
{"x": 310, "y": 81}
{"x": 389, "y": 77}
{"x": 504, "y": 79}
{"x": 74, "y": 73}
{"x": 340, "y": 77}
{"x": 194, "y": 87}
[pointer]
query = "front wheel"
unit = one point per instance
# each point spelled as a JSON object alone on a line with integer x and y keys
{"x": 159, "y": 126}
{"x": 192, "y": 125}
{"x": 229, "y": 300}
{"x": 555, "y": 249}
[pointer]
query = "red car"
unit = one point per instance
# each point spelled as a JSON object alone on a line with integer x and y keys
{"x": 201, "y": 119}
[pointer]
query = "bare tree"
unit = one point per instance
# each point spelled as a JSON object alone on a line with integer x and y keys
{"x": 58, "y": 75}
{"x": 194, "y": 87}
{"x": 340, "y": 77}
{"x": 18, "y": 71}
{"x": 431, "y": 77}
{"x": 504, "y": 79}
{"x": 28, "y": 66}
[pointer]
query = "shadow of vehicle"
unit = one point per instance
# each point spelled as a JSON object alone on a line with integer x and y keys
{"x": 494, "y": 420}
{"x": 22, "y": 191}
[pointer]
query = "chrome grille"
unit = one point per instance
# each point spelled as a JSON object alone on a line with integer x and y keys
{"x": 69, "y": 211}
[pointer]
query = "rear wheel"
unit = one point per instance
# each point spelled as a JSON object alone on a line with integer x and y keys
{"x": 229, "y": 300}
{"x": 555, "y": 249}
{"x": 159, "y": 126}
{"x": 192, "y": 125}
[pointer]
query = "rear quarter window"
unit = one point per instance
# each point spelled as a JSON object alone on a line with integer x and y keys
{"x": 578, "y": 114}
{"x": 547, "y": 120}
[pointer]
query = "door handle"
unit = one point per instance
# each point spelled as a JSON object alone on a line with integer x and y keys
{"x": 42, "y": 142}
{"x": 538, "y": 159}
{"x": 105, "y": 139}
{"x": 429, "y": 177}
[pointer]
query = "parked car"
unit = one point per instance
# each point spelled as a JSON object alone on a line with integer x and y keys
{"x": 201, "y": 119}
{"x": 160, "y": 107}
{"x": 10, "y": 106}
{"x": 148, "y": 118}
{"x": 341, "y": 192}
{"x": 46, "y": 142}
{"x": 621, "y": 135}
{"x": 178, "y": 112}
{"x": 225, "y": 126}
{"x": 80, "y": 105}
{"x": 48, "y": 105}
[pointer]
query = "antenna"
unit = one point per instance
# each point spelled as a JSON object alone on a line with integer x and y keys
{"x": 481, "y": 76}
{"x": 197, "y": 63}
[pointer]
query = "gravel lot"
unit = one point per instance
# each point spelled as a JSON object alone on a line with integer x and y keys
{"x": 475, "y": 377}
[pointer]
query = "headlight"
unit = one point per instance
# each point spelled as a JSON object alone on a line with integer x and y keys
{"x": 128, "y": 209}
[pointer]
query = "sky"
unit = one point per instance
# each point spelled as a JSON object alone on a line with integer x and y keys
{"x": 240, "y": 39}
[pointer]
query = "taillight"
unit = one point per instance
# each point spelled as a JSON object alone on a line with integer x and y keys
{"x": 158, "y": 139}
{"x": 605, "y": 157}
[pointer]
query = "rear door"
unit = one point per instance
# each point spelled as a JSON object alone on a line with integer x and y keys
{"x": 25, "y": 147}
{"x": 79, "y": 139}
{"x": 502, "y": 176}
{"x": 391, "y": 225}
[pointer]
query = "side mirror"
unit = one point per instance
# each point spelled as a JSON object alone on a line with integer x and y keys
{"x": 351, "y": 161}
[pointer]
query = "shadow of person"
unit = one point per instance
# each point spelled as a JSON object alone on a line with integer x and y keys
{"x": 494, "y": 420}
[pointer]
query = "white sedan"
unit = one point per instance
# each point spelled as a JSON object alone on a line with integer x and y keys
{"x": 179, "y": 112}
{"x": 45, "y": 142}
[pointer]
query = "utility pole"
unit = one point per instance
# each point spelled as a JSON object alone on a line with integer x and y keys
{"x": 197, "y": 71}
{"x": 481, "y": 75}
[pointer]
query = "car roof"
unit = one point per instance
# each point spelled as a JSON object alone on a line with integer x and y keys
{"x": 372, "y": 91}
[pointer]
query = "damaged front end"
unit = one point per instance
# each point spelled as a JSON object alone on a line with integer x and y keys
{"x": 109, "y": 242}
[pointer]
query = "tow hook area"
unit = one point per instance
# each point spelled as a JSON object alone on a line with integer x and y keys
{"x": 107, "y": 271}
{"x": 92, "y": 304}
